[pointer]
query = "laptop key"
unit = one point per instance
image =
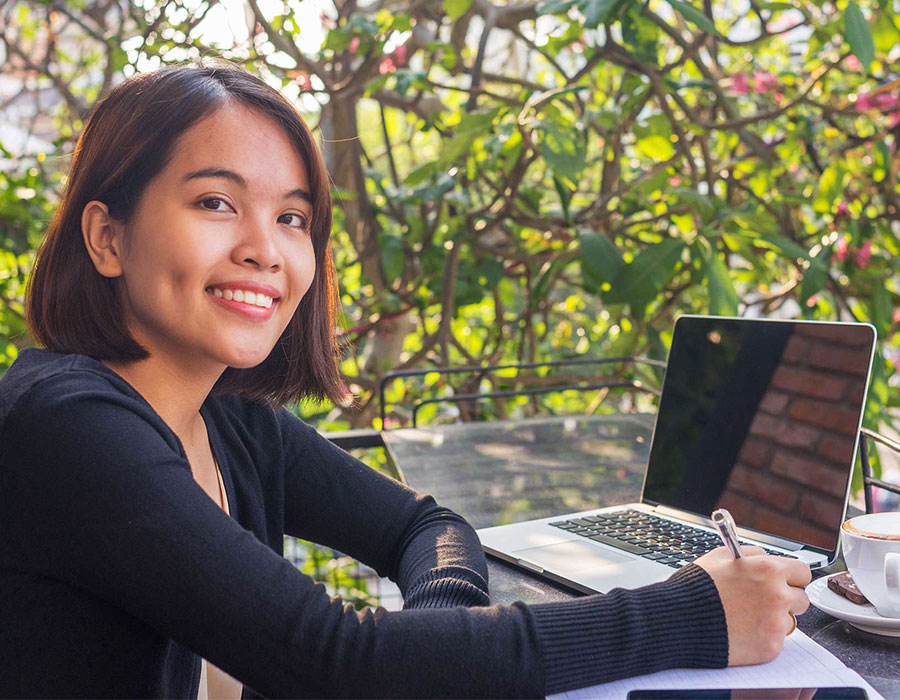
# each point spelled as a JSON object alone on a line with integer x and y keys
{"x": 618, "y": 544}
{"x": 654, "y": 556}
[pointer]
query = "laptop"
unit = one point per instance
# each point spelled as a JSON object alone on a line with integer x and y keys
{"x": 761, "y": 417}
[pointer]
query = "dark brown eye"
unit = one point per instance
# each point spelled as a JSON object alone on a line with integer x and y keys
{"x": 213, "y": 204}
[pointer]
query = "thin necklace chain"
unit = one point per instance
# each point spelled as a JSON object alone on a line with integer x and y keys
{"x": 219, "y": 484}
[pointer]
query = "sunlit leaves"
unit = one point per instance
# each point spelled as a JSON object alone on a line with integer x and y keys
{"x": 859, "y": 35}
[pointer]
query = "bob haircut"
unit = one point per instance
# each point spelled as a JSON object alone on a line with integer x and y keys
{"x": 127, "y": 141}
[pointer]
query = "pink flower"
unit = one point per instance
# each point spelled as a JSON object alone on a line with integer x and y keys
{"x": 386, "y": 66}
{"x": 812, "y": 301}
{"x": 327, "y": 22}
{"x": 354, "y": 44}
{"x": 399, "y": 55}
{"x": 863, "y": 103}
{"x": 863, "y": 255}
{"x": 886, "y": 101}
{"x": 674, "y": 181}
{"x": 893, "y": 120}
{"x": 763, "y": 81}
{"x": 853, "y": 63}
{"x": 842, "y": 210}
{"x": 896, "y": 316}
{"x": 840, "y": 249}
{"x": 740, "y": 84}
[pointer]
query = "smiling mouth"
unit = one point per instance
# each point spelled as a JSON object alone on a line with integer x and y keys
{"x": 244, "y": 297}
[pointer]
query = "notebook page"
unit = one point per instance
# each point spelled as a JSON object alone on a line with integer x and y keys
{"x": 802, "y": 663}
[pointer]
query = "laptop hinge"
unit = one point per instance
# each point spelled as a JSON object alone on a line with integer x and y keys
{"x": 789, "y": 545}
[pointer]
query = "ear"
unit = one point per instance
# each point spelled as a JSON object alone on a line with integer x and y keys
{"x": 102, "y": 238}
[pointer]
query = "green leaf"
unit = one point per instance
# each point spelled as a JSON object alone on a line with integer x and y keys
{"x": 723, "y": 300}
{"x": 776, "y": 6}
{"x": 656, "y": 147}
{"x": 563, "y": 148}
{"x": 882, "y": 316}
{"x": 696, "y": 201}
{"x": 421, "y": 174}
{"x": 456, "y": 8}
{"x": 554, "y": 7}
{"x": 859, "y": 35}
{"x": 816, "y": 275}
{"x": 694, "y": 16}
{"x": 391, "y": 250}
{"x": 601, "y": 255}
{"x": 640, "y": 34}
{"x": 644, "y": 277}
{"x": 596, "y": 11}
{"x": 539, "y": 293}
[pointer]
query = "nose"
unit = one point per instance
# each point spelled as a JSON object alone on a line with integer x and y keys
{"x": 258, "y": 247}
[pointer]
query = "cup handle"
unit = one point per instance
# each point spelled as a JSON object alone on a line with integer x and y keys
{"x": 892, "y": 578}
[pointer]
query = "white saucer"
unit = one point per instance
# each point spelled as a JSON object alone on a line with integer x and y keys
{"x": 862, "y": 617}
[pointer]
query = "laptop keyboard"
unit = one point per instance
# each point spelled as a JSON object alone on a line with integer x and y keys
{"x": 648, "y": 536}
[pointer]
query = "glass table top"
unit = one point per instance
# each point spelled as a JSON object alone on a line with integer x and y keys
{"x": 500, "y": 472}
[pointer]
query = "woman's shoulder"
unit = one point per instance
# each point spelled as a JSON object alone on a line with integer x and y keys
{"x": 41, "y": 385}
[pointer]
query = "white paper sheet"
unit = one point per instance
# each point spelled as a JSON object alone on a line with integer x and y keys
{"x": 801, "y": 664}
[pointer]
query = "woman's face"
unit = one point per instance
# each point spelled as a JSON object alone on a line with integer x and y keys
{"x": 218, "y": 253}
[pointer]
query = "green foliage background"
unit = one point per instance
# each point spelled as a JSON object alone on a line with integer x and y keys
{"x": 531, "y": 180}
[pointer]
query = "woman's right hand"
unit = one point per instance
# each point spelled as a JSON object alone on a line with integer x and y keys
{"x": 758, "y": 594}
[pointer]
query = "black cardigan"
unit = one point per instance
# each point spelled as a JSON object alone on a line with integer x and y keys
{"x": 117, "y": 570}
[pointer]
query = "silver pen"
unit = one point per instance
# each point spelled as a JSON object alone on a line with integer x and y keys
{"x": 727, "y": 531}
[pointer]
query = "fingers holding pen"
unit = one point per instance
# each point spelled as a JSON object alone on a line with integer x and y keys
{"x": 758, "y": 596}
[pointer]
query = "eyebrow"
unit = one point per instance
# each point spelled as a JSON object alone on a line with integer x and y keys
{"x": 225, "y": 174}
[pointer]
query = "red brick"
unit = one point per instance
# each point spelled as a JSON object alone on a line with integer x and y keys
{"x": 763, "y": 487}
{"x": 786, "y": 433}
{"x": 833, "y": 334}
{"x": 755, "y": 452}
{"x": 835, "y": 449}
{"x": 740, "y": 507}
{"x": 787, "y": 524}
{"x": 774, "y": 402}
{"x": 856, "y": 392}
{"x": 832, "y": 357}
{"x": 812, "y": 473}
{"x": 835, "y": 417}
{"x": 819, "y": 385}
{"x": 796, "y": 351}
{"x": 820, "y": 509}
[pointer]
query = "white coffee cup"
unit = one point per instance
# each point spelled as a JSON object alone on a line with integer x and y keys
{"x": 871, "y": 546}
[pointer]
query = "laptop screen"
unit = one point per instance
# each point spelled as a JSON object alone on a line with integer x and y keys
{"x": 761, "y": 418}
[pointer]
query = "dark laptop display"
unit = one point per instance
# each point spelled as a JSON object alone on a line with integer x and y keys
{"x": 761, "y": 419}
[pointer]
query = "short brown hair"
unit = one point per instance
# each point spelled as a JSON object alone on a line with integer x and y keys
{"x": 127, "y": 141}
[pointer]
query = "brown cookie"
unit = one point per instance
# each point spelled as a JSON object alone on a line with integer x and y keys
{"x": 842, "y": 584}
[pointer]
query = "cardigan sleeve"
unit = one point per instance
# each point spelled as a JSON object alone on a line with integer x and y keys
{"x": 332, "y": 498}
{"x": 94, "y": 496}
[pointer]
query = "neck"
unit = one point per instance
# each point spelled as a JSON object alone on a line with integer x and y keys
{"x": 174, "y": 391}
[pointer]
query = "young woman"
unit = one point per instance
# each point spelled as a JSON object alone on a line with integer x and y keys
{"x": 185, "y": 291}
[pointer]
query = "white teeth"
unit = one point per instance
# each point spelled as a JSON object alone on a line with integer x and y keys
{"x": 252, "y": 298}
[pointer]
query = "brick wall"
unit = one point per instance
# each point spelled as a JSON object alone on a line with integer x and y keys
{"x": 791, "y": 472}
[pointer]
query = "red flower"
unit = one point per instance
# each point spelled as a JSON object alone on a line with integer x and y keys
{"x": 840, "y": 249}
{"x": 740, "y": 84}
{"x": 763, "y": 81}
{"x": 863, "y": 255}
{"x": 386, "y": 66}
{"x": 354, "y": 44}
{"x": 399, "y": 55}
{"x": 863, "y": 103}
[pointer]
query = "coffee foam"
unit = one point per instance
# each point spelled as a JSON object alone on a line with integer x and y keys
{"x": 876, "y": 526}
